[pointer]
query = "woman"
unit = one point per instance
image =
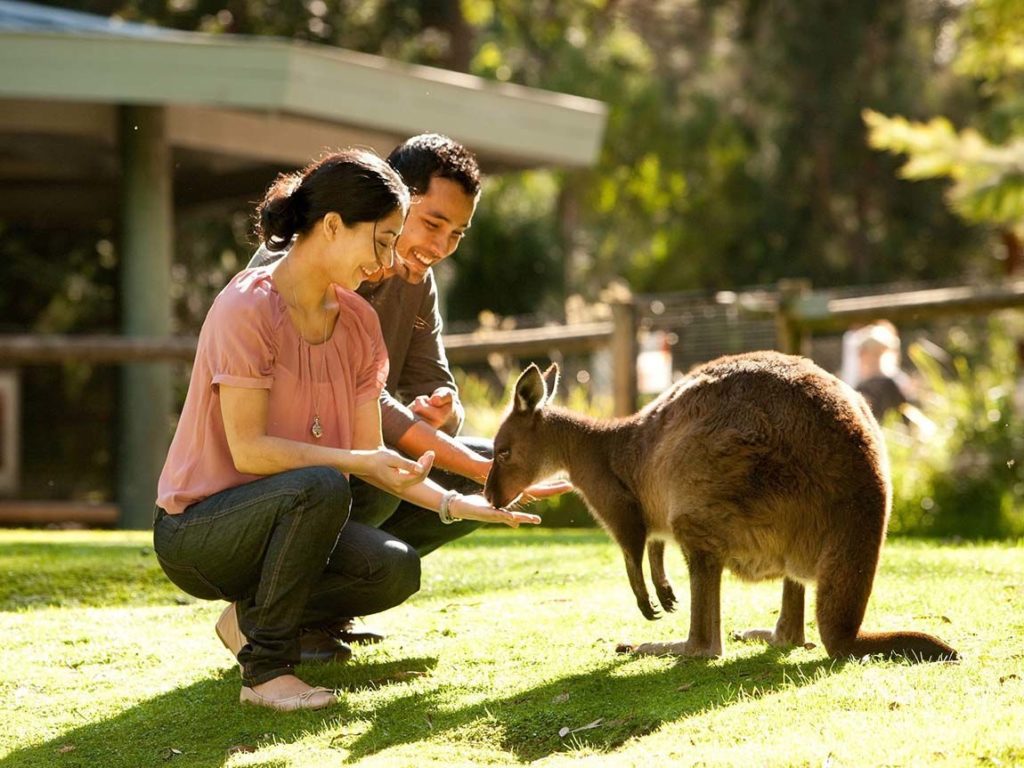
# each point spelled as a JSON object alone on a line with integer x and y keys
{"x": 282, "y": 406}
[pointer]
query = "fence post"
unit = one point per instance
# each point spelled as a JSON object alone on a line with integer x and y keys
{"x": 624, "y": 348}
{"x": 792, "y": 338}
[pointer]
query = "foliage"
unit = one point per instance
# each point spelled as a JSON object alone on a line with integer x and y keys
{"x": 965, "y": 477}
{"x": 69, "y": 290}
{"x": 734, "y": 155}
{"x": 505, "y": 657}
{"x": 988, "y": 174}
{"x": 988, "y": 179}
{"x": 734, "y": 152}
{"x": 510, "y": 245}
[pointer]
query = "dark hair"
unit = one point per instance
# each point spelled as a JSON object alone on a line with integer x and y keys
{"x": 355, "y": 183}
{"x": 423, "y": 157}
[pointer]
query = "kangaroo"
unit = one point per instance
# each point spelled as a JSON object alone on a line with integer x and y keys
{"x": 762, "y": 463}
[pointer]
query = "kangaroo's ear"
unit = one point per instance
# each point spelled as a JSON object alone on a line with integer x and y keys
{"x": 530, "y": 391}
{"x": 551, "y": 378}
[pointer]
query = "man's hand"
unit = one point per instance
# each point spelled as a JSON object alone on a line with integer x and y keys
{"x": 438, "y": 408}
{"x": 545, "y": 490}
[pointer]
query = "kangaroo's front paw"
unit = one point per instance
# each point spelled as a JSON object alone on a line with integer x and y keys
{"x": 666, "y": 596}
{"x": 648, "y": 610}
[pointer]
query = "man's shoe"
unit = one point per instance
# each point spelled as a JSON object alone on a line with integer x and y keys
{"x": 347, "y": 632}
{"x": 314, "y": 698}
{"x": 228, "y": 631}
{"x": 319, "y": 646}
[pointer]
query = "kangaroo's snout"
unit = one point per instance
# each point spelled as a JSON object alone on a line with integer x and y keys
{"x": 495, "y": 493}
{"x": 489, "y": 492}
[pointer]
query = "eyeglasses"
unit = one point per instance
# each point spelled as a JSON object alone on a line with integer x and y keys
{"x": 386, "y": 254}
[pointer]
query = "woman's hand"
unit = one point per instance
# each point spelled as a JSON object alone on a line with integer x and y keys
{"x": 390, "y": 469}
{"x": 477, "y": 508}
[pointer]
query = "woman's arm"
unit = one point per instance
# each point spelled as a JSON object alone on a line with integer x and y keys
{"x": 429, "y": 494}
{"x": 255, "y": 452}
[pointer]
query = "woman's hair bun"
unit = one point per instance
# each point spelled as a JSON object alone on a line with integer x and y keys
{"x": 356, "y": 184}
{"x": 281, "y": 212}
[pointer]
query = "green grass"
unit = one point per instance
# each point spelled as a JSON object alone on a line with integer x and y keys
{"x": 510, "y": 641}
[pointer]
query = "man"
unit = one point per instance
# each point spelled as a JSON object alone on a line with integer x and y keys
{"x": 444, "y": 179}
{"x": 420, "y": 407}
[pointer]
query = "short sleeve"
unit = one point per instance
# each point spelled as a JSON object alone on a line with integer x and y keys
{"x": 240, "y": 339}
{"x": 372, "y": 371}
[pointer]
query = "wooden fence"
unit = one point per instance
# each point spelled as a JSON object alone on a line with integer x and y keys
{"x": 798, "y": 312}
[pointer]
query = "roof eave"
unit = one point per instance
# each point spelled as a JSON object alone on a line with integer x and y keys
{"x": 523, "y": 125}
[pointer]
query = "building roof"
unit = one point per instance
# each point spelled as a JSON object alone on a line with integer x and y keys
{"x": 30, "y": 17}
{"x": 54, "y": 55}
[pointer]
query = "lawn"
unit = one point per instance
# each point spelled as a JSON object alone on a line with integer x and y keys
{"x": 506, "y": 657}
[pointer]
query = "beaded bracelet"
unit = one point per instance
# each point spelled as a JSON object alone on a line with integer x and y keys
{"x": 444, "y": 513}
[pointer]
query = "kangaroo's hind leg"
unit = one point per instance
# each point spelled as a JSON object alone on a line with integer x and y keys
{"x": 656, "y": 558}
{"x": 705, "y": 612}
{"x": 789, "y": 629}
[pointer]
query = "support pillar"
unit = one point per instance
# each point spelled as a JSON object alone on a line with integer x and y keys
{"x": 147, "y": 212}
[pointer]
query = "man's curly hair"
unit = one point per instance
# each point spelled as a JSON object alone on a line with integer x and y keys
{"x": 427, "y": 155}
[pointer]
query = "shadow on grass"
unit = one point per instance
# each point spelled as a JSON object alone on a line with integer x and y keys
{"x": 203, "y": 724}
{"x": 622, "y": 704}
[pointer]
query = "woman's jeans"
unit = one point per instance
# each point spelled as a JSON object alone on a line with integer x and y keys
{"x": 283, "y": 548}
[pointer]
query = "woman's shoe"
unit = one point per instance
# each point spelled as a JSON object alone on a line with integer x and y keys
{"x": 229, "y": 632}
{"x": 314, "y": 698}
{"x": 316, "y": 645}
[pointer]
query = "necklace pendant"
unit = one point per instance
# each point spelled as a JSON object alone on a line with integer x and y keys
{"x": 316, "y": 429}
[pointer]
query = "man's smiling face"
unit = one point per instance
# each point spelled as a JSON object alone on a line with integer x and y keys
{"x": 434, "y": 228}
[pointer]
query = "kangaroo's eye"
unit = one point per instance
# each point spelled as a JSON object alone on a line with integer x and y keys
{"x": 503, "y": 456}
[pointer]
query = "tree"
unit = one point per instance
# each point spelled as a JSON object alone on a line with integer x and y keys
{"x": 984, "y": 160}
{"x": 735, "y": 153}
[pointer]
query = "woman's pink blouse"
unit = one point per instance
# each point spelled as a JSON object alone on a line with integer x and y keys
{"x": 248, "y": 340}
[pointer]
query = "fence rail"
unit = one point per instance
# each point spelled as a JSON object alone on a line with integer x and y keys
{"x": 49, "y": 349}
{"x": 39, "y": 349}
{"x": 795, "y": 306}
{"x": 14, "y": 512}
{"x": 799, "y": 311}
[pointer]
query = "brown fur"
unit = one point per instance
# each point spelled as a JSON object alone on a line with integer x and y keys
{"x": 761, "y": 463}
